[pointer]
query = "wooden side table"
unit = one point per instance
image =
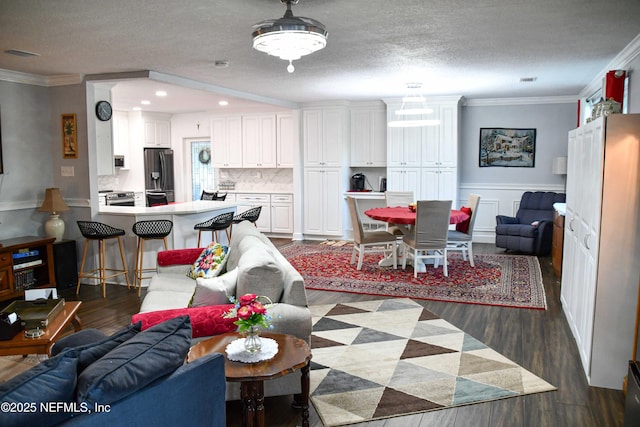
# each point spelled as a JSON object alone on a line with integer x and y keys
{"x": 293, "y": 354}
{"x": 557, "y": 244}
{"x": 42, "y": 345}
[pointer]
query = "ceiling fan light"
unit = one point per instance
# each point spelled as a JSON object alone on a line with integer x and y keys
{"x": 413, "y": 123}
{"x": 414, "y": 111}
{"x": 290, "y": 37}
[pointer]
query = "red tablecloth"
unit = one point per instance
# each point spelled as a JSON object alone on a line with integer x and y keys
{"x": 403, "y": 215}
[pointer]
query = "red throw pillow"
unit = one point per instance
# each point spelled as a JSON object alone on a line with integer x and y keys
{"x": 463, "y": 227}
{"x": 205, "y": 321}
{"x": 178, "y": 256}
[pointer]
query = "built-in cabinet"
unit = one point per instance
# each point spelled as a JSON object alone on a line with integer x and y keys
{"x": 254, "y": 141}
{"x": 282, "y": 213}
{"x": 259, "y": 141}
{"x": 156, "y": 130}
{"x": 276, "y": 215}
{"x": 226, "y": 141}
{"x": 325, "y": 145}
{"x": 248, "y": 201}
{"x": 600, "y": 267}
{"x": 368, "y": 137}
{"x": 424, "y": 159}
{"x": 121, "y": 136}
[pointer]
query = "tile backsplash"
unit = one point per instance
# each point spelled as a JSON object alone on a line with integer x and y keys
{"x": 259, "y": 180}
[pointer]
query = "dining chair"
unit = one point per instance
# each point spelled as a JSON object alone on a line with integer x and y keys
{"x": 157, "y": 200}
{"x": 428, "y": 239}
{"x": 398, "y": 198}
{"x": 461, "y": 238}
{"x": 369, "y": 241}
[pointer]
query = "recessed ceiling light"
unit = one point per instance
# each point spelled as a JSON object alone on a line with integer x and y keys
{"x": 161, "y": 93}
{"x": 145, "y": 102}
{"x": 528, "y": 79}
{"x": 223, "y": 103}
{"x": 137, "y": 108}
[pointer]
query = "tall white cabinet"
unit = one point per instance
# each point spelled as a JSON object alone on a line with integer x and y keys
{"x": 425, "y": 159}
{"x": 325, "y": 140}
{"x": 601, "y": 265}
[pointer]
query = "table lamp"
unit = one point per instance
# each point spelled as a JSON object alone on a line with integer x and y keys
{"x": 53, "y": 202}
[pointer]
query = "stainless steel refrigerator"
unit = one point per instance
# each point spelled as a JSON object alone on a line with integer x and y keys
{"x": 158, "y": 171}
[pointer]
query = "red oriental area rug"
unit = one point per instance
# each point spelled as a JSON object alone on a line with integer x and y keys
{"x": 500, "y": 280}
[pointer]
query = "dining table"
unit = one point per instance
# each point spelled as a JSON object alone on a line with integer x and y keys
{"x": 404, "y": 217}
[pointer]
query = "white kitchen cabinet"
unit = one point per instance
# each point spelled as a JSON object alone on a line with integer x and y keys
{"x": 403, "y": 145}
{"x": 440, "y": 143}
{"x": 247, "y": 201}
{"x": 325, "y": 137}
{"x": 282, "y": 213}
{"x": 322, "y": 201}
{"x": 438, "y": 184}
{"x": 121, "y": 136}
{"x": 156, "y": 130}
{"x": 404, "y": 179}
{"x": 286, "y": 140}
{"x": 259, "y": 141}
{"x": 368, "y": 137}
{"x": 601, "y": 245}
{"x": 226, "y": 141}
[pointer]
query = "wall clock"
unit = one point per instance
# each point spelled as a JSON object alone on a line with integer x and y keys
{"x": 103, "y": 110}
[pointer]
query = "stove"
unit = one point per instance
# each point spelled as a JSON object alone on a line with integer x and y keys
{"x": 120, "y": 198}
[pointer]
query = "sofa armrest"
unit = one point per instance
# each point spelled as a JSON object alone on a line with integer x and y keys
{"x": 292, "y": 319}
{"x": 182, "y": 395}
{"x": 545, "y": 237}
{"x": 503, "y": 219}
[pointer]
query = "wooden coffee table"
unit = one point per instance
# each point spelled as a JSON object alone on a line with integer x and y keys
{"x": 293, "y": 354}
{"x": 42, "y": 345}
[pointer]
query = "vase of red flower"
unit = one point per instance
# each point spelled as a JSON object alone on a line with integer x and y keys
{"x": 251, "y": 311}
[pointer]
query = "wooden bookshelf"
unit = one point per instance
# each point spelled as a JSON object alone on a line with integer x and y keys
{"x": 36, "y": 270}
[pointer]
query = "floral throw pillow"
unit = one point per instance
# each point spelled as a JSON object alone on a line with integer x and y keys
{"x": 210, "y": 263}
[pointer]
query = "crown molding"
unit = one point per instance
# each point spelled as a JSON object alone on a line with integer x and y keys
{"x": 35, "y": 80}
{"x": 522, "y": 101}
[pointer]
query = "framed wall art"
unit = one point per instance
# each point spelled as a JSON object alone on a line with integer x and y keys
{"x": 507, "y": 147}
{"x": 69, "y": 137}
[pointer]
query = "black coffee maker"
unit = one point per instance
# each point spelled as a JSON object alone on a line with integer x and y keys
{"x": 357, "y": 182}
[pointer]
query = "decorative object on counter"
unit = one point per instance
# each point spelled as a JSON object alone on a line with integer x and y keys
{"x": 251, "y": 313}
{"x": 290, "y": 37}
{"x": 69, "y": 137}
{"x": 54, "y": 203}
{"x": 227, "y": 185}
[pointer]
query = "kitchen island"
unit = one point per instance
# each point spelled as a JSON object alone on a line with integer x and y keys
{"x": 183, "y": 215}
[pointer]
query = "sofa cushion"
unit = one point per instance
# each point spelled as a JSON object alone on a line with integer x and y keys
{"x": 89, "y": 350}
{"x": 53, "y": 380}
{"x": 210, "y": 263}
{"x": 135, "y": 363}
{"x": 215, "y": 290}
{"x": 259, "y": 273}
{"x": 205, "y": 321}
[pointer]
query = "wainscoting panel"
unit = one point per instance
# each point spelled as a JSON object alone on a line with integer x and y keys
{"x": 496, "y": 199}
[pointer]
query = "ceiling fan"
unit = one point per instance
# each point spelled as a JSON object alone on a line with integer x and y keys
{"x": 290, "y": 37}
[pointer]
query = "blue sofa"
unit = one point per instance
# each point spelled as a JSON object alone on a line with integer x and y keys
{"x": 135, "y": 378}
{"x": 531, "y": 230}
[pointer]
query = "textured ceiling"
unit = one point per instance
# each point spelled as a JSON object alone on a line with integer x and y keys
{"x": 478, "y": 49}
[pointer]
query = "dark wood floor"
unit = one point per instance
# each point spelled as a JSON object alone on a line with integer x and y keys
{"x": 538, "y": 340}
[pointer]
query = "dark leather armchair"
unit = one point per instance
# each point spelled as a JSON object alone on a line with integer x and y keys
{"x": 530, "y": 231}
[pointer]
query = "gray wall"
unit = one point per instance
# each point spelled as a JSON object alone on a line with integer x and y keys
{"x": 551, "y": 121}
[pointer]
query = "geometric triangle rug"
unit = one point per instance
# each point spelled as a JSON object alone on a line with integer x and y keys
{"x": 387, "y": 358}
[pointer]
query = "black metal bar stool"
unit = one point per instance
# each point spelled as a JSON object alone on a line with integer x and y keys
{"x": 215, "y": 224}
{"x": 250, "y": 215}
{"x": 100, "y": 232}
{"x": 148, "y": 230}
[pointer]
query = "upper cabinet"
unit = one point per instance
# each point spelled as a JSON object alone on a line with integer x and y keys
{"x": 226, "y": 141}
{"x": 121, "y": 135}
{"x": 156, "y": 130}
{"x": 287, "y": 140}
{"x": 325, "y": 136}
{"x": 440, "y": 143}
{"x": 259, "y": 141}
{"x": 368, "y": 137}
{"x": 403, "y": 145}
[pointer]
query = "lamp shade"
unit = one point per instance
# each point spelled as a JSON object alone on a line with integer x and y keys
{"x": 559, "y": 166}
{"x": 53, "y": 201}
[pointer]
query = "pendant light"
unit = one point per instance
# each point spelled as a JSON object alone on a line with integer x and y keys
{"x": 290, "y": 37}
{"x": 414, "y": 105}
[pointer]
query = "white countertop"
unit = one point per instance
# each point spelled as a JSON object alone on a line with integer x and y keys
{"x": 365, "y": 194}
{"x": 183, "y": 208}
